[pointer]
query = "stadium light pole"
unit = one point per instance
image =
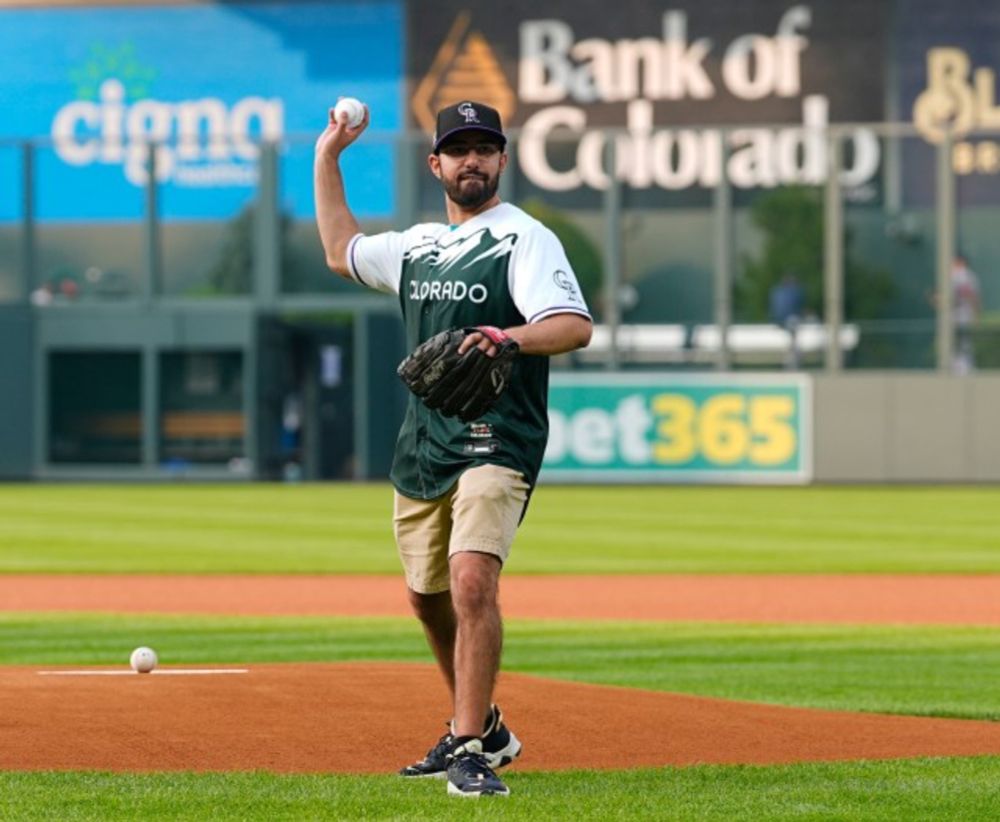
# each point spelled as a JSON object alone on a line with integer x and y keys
{"x": 407, "y": 179}
{"x": 28, "y": 259}
{"x": 151, "y": 282}
{"x": 723, "y": 230}
{"x": 150, "y": 362}
{"x": 945, "y": 252}
{"x": 150, "y": 408}
{"x": 833, "y": 254}
{"x": 612, "y": 250}
{"x": 267, "y": 220}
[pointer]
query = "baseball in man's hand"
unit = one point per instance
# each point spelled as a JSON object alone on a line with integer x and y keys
{"x": 354, "y": 109}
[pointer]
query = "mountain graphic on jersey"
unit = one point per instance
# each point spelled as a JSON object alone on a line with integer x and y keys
{"x": 462, "y": 253}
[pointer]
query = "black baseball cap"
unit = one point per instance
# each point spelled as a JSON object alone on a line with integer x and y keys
{"x": 467, "y": 116}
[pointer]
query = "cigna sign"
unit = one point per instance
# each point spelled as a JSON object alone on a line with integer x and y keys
{"x": 206, "y": 83}
{"x": 202, "y": 142}
{"x": 567, "y": 76}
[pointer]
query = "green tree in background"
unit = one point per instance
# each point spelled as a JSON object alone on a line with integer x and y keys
{"x": 791, "y": 220}
{"x": 232, "y": 272}
{"x": 582, "y": 252}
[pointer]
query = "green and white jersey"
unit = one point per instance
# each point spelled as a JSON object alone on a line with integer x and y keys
{"x": 501, "y": 268}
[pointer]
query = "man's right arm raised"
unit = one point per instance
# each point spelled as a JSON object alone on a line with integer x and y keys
{"x": 336, "y": 223}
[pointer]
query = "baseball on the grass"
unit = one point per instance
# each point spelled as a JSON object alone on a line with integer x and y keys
{"x": 143, "y": 660}
{"x": 355, "y": 111}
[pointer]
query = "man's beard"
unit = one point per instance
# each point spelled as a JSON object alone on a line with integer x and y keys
{"x": 472, "y": 196}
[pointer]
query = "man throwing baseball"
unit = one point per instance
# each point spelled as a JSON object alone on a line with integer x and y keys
{"x": 492, "y": 279}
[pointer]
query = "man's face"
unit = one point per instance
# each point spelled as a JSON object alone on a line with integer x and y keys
{"x": 468, "y": 166}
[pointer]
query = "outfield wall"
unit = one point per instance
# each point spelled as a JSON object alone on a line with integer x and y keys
{"x": 892, "y": 427}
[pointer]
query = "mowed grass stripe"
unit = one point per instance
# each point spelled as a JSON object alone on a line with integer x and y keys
{"x": 965, "y": 789}
{"x": 345, "y": 528}
{"x": 194, "y": 528}
{"x": 931, "y": 671}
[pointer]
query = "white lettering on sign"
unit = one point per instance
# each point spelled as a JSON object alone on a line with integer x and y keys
{"x": 675, "y": 159}
{"x": 724, "y": 428}
{"x": 213, "y": 139}
{"x": 756, "y": 66}
{"x": 565, "y": 74}
{"x": 594, "y": 436}
{"x": 553, "y": 67}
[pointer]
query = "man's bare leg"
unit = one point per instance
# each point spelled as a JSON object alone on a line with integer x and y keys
{"x": 437, "y": 615}
{"x": 478, "y": 639}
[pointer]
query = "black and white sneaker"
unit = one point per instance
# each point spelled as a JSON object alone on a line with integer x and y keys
{"x": 434, "y": 763}
{"x": 500, "y": 747}
{"x": 469, "y": 775}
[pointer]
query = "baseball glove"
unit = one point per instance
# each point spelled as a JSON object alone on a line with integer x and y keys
{"x": 464, "y": 386}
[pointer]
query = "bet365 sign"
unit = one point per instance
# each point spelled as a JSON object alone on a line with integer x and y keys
{"x": 665, "y": 428}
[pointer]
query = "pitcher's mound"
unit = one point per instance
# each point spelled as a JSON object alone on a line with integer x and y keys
{"x": 374, "y": 718}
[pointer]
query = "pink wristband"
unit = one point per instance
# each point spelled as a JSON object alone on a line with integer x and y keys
{"x": 496, "y": 335}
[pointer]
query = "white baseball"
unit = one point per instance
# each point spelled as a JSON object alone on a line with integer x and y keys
{"x": 355, "y": 111}
{"x": 143, "y": 660}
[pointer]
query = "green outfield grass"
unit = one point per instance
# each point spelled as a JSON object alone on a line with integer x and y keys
{"x": 346, "y": 529}
{"x": 940, "y": 671}
{"x": 921, "y": 789}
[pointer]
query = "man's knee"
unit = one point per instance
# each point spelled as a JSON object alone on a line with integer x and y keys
{"x": 474, "y": 579}
{"x": 430, "y": 608}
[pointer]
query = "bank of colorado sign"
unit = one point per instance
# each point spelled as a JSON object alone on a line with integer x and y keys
{"x": 565, "y": 74}
{"x": 682, "y": 85}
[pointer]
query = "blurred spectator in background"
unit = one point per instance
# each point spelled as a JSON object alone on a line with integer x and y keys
{"x": 291, "y": 436}
{"x": 786, "y": 303}
{"x": 965, "y": 305}
{"x": 43, "y": 295}
{"x": 69, "y": 289}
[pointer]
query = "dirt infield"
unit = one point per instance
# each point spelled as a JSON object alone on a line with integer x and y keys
{"x": 370, "y": 718}
{"x": 942, "y": 600}
{"x": 351, "y": 717}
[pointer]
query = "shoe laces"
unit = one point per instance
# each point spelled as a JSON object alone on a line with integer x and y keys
{"x": 472, "y": 764}
{"x": 441, "y": 747}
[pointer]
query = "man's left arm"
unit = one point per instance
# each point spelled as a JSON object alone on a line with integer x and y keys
{"x": 557, "y": 334}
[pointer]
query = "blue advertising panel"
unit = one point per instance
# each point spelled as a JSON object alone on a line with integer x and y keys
{"x": 208, "y": 82}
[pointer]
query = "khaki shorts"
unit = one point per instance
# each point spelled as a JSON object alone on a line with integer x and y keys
{"x": 481, "y": 513}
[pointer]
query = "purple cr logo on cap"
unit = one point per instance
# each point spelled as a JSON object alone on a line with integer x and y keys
{"x": 469, "y": 113}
